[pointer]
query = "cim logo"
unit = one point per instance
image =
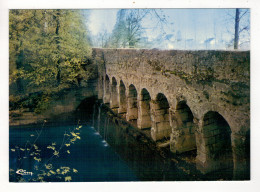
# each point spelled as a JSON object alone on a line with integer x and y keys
{"x": 23, "y": 172}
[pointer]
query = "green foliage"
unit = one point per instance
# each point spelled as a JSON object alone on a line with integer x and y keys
{"x": 47, "y": 48}
{"x": 43, "y": 169}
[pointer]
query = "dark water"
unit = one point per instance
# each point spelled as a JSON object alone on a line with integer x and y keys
{"x": 108, "y": 150}
{"x": 91, "y": 156}
{"x": 141, "y": 156}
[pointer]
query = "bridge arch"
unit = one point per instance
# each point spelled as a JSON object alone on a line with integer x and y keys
{"x": 161, "y": 128}
{"x": 215, "y": 150}
{"x": 207, "y": 107}
{"x": 106, "y": 95}
{"x": 122, "y": 98}
{"x": 132, "y": 104}
{"x": 144, "y": 114}
{"x": 114, "y": 94}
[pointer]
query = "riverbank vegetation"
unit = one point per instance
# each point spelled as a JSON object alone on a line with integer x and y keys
{"x": 49, "y": 50}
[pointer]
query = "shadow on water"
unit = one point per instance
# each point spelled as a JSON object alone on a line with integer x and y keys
{"x": 109, "y": 149}
{"x": 149, "y": 162}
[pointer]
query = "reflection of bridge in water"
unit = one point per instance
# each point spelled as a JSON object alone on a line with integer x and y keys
{"x": 194, "y": 100}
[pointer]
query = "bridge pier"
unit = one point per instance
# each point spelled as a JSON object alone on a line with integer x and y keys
{"x": 144, "y": 114}
{"x": 100, "y": 87}
{"x": 106, "y": 90}
{"x": 161, "y": 128}
{"x": 122, "y": 98}
{"x": 240, "y": 147}
{"x": 132, "y": 104}
{"x": 114, "y": 95}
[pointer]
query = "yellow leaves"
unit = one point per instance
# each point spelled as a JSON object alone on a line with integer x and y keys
{"x": 67, "y": 144}
{"x": 35, "y": 146}
{"x": 68, "y": 178}
{"x": 65, "y": 170}
{"x": 22, "y": 149}
{"x": 73, "y": 134}
{"x": 48, "y": 166}
{"x": 37, "y": 159}
{"x": 13, "y": 150}
{"x": 74, "y": 139}
{"x": 32, "y": 135}
{"x": 40, "y": 178}
{"x": 53, "y": 143}
{"x": 75, "y": 170}
{"x": 51, "y": 147}
{"x": 56, "y": 153}
{"x": 58, "y": 171}
{"x": 79, "y": 127}
{"x": 52, "y": 172}
{"x": 68, "y": 151}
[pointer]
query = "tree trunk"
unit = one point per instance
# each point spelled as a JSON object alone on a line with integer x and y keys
{"x": 236, "y": 29}
{"x": 19, "y": 65}
{"x": 58, "y": 77}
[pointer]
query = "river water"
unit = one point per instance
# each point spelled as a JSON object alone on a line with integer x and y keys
{"x": 106, "y": 149}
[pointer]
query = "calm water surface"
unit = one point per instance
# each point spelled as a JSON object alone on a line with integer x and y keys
{"x": 91, "y": 156}
{"x": 105, "y": 152}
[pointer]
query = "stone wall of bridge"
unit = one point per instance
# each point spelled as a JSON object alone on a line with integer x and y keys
{"x": 196, "y": 100}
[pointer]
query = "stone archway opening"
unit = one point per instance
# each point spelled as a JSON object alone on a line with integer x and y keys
{"x": 161, "y": 128}
{"x": 144, "y": 118}
{"x": 132, "y": 105}
{"x": 114, "y": 95}
{"x": 185, "y": 139}
{"x": 122, "y": 98}
{"x": 106, "y": 96}
{"x": 216, "y": 150}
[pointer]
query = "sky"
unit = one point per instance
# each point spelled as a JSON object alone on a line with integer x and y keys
{"x": 194, "y": 26}
{"x": 100, "y": 19}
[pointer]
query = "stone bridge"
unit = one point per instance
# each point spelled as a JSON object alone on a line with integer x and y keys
{"x": 194, "y": 100}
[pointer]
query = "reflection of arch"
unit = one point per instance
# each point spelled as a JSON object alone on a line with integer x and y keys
{"x": 114, "y": 95}
{"x": 160, "y": 118}
{"x": 144, "y": 118}
{"x": 122, "y": 98}
{"x": 186, "y": 139}
{"x": 106, "y": 96}
{"x": 216, "y": 148}
{"x": 132, "y": 108}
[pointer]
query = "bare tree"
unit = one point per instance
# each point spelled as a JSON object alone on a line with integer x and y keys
{"x": 236, "y": 29}
{"x": 129, "y": 30}
{"x": 241, "y": 31}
